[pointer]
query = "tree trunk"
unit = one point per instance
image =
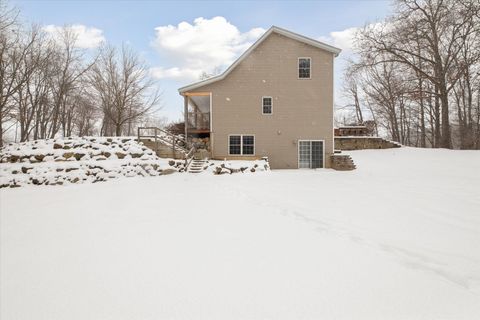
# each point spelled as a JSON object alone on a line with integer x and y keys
{"x": 438, "y": 134}
{"x": 446, "y": 140}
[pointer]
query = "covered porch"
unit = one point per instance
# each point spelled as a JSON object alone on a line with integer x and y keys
{"x": 197, "y": 113}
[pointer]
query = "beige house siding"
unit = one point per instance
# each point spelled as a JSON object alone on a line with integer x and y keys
{"x": 302, "y": 108}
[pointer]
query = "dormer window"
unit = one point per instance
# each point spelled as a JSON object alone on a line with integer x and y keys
{"x": 304, "y": 65}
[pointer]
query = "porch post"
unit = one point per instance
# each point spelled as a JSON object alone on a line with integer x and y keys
{"x": 185, "y": 111}
{"x": 196, "y": 116}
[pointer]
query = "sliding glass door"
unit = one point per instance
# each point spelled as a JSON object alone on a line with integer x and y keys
{"x": 310, "y": 154}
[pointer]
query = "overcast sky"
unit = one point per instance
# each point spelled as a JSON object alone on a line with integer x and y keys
{"x": 180, "y": 39}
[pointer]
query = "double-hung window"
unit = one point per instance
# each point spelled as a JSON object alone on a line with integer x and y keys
{"x": 304, "y": 68}
{"x": 241, "y": 144}
{"x": 267, "y": 105}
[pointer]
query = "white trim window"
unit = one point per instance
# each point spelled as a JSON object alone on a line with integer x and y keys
{"x": 304, "y": 68}
{"x": 311, "y": 154}
{"x": 267, "y": 105}
{"x": 241, "y": 144}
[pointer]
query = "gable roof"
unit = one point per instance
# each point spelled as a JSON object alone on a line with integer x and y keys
{"x": 283, "y": 32}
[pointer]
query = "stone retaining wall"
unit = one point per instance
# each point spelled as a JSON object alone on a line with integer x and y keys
{"x": 359, "y": 143}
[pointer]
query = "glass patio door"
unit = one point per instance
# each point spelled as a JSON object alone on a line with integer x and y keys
{"x": 310, "y": 154}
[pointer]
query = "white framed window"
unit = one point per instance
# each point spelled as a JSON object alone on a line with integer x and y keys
{"x": 304, "y": 68}
{"x": 267, "y": 105}
{"x": 241, "y": 144}
{"x": 311, "y": 154}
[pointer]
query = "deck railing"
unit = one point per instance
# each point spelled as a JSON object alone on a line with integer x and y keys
{"x": 177, "y": 142}
{"x": 199, "y": 120}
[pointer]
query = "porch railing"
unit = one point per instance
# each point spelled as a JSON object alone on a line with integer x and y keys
{"x": 199, "y": 120}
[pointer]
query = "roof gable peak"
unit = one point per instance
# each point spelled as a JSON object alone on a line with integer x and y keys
{"x": 278, "y": 30}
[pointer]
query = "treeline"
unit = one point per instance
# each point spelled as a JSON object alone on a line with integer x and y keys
{"x": 50, "y": 87}
{"x": 417, "y": 74}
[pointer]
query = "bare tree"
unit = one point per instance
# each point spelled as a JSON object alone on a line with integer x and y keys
{"x": 206, "y": 75}
{"x": 437, "y": 26}
{"x": 351, "y": 92}
{"x": 123, "y": 88}
{"x": 419, "y": 72}
{"x": 69, "y": 69}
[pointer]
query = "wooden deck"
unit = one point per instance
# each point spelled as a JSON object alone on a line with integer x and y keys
{"x": 195, "y": 131}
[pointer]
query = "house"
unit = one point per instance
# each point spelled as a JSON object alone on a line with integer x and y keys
{"x": 275, "y": 100}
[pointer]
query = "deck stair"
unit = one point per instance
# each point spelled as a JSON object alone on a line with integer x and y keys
{"x": 197, "y": 166}
{"x": 165, "y": 143}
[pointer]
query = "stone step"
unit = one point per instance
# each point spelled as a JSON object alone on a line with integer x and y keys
{"x": 197, "y": 166}
{"x": 342, "y": 162}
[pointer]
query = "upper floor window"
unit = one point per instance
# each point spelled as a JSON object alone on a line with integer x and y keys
{"x": 267, "y": 104}
{"x": 304, "y": 66}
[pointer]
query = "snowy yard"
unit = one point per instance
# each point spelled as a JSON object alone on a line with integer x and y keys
{"x": 399, "y": 238}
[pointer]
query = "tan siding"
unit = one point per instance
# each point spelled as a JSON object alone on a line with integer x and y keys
{"x": 302, "y": 108}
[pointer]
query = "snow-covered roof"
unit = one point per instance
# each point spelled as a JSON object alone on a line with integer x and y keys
{"x": 284, "y": 32}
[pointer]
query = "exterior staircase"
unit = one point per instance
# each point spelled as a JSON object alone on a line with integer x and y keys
{"x": 164, "y": 150}
{"x": 168, "y": 145}
{"x": 342, "y": 162}
{"x": 165, "y": 144}
{"x": 197, "y": 166}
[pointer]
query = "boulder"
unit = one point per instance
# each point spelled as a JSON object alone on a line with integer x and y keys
{"x": 25, "y": 169}
{"x": 168, "y": 171}
{"x": 120, "y": 155}
{"x": 79, "y": 156}
{"x": 67, "y": 155}
{"x": 39, "y": 157}
{"x": 57, "y": 146}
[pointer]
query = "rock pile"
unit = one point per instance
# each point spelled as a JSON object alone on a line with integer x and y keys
{"x": 78, "y": 160}
{"x": 242, "y": 167}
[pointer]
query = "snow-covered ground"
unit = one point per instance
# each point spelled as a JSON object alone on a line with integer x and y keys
{"x": 398, "y": 238}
